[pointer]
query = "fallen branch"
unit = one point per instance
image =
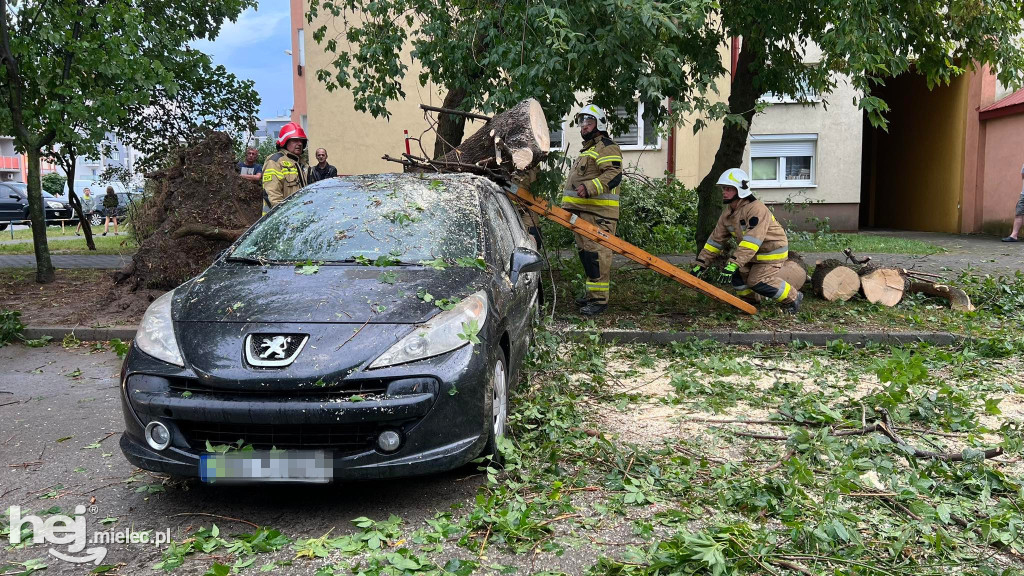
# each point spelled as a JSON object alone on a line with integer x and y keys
{"x": 208, "y": 232}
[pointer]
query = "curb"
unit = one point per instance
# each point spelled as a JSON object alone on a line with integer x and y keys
{"x": 775, "y": 338}
{"x": 124, "y": 333}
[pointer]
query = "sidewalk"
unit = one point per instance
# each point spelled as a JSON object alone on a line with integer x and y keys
{"x": 101, "y": 261}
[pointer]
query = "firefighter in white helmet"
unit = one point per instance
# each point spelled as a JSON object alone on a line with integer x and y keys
{"x": 592, "y": 193}
{"x": 761, "y": 245}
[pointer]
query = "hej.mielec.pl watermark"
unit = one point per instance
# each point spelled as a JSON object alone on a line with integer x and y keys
{"x": 60, "y": 530}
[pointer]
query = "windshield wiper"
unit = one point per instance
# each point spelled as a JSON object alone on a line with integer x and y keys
{"x": 248, "y": 260}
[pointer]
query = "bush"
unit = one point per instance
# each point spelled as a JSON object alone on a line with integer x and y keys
{"x": 54, "y": 183}
{"x": 10, "y": 326}
{"x": 656, "y": 215}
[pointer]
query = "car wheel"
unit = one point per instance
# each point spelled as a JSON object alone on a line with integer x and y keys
{"x": 499, "y": 405}
{"x": 95, "y": 219}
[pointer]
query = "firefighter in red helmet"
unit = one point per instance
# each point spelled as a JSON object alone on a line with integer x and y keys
{"x": 284, "y": 173}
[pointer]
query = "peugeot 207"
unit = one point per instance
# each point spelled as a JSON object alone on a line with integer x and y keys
{"x": 367, "y": 327}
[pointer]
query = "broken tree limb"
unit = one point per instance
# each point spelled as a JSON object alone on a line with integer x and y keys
{"x": 848, "y": 252}
{"x": 208, "y": 232}
{"x": 455, "y": 112}
{"x": 957, "y": 298}
{"x": 885, "y": 286}
{"x": 832, "y": 280}
{"x": 516, "y": 140}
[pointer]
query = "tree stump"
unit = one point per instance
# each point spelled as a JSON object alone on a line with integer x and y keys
{"x": 834, "y": 281}
{"x": 793, "y": 274}
{"x": 957, "y": 298}
{"x": 514, "y": 140}
{"x": 884, "y": 286}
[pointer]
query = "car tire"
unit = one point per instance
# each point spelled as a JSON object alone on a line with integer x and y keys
{"x": 95, "y": 219}
{"x": 3, "y": 226}
{"x": 498, "y": 387}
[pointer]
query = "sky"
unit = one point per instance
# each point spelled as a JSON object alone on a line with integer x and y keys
{"x": 253, "y": 48}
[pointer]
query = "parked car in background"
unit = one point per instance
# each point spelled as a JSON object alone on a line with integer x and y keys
{"x": 99, "y": 189}
{"x": 14, "y": 206}
{"x": 367, "y": 327}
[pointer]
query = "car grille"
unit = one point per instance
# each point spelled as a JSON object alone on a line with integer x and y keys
{"x": 347, "y": 388}
{"x": 341, "y": 438}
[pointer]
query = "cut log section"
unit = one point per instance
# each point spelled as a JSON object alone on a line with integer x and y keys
{"x": 515, "y": 140}
{"x": 957, "y": 298}
{"x": 834, "y": 281}
{"x": 884, "y": 286}
{"x": 793, "y": 274}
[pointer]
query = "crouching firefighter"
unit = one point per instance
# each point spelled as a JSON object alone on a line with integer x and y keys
{"x": 592, "y": 194}
{"x": 284, "y": 173}
{"x": 762, "y": 247}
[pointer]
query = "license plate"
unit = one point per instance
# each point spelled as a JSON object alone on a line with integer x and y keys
{"x": 311, "y": 466}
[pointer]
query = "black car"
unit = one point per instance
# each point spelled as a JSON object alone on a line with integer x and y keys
{"x": 14, "y": 206}
{"x": 125, "y": 201}
{"x": 367, "y": 327}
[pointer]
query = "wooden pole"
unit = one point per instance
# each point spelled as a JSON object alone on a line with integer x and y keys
{"x": 619, "y": 246}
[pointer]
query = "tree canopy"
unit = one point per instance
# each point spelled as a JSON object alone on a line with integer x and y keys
{"x": 70, "y": 72}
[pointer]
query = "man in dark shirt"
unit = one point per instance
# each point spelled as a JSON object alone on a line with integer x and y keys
{"x": 322, "y": 170}
{"x": 249, "y": 168}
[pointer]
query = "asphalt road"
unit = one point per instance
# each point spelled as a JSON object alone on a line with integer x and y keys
{"x": 52, "y": 416}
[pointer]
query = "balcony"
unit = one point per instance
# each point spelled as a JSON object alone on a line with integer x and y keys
{"x": 10, "y": 163}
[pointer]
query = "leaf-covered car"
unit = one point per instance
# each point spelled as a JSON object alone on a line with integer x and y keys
{"x": 367, "y": 327}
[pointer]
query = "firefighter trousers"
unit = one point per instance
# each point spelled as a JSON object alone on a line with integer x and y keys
{"x": 596, "y": 259}
{"x": 757, "y": 280}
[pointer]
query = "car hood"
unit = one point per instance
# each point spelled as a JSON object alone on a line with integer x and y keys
{"x": 234, "y": 293}
{"x": 349, "y": 314}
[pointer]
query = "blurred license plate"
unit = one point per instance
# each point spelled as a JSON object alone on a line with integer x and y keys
{"x": 314, "y": 466}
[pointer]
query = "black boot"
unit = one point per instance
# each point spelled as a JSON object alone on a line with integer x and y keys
{"x": 584, "y": 300}
{"x": 593, "y": 308}
{"x": 795, "y": 306}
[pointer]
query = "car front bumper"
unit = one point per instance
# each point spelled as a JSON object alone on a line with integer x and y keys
{"x": 444, "y": 423}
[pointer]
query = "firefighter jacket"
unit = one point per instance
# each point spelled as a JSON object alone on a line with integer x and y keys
{"x": 759, "y": 237}
{"x": 283, "y": 175}
{"x": 599, "y": 170}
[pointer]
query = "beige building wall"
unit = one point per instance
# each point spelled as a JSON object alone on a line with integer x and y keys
{"x": 355, "y": 141}
{"x": 835, "y": 189}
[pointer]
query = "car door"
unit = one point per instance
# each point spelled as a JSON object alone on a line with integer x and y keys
{"x": 520, "y": 296}
{"x": 10, "y": 204}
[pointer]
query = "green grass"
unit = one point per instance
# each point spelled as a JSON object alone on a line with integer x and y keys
{"x": 109, "y": 244}
{"x": 859, "y": 243}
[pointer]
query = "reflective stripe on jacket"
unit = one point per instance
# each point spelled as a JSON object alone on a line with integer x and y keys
{"x": 599, "y": 170}
{"x": 283, "y": 175}
{"x": 759, "y": 237}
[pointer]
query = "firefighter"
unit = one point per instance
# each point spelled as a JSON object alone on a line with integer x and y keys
{"x": 592, "y": 194}
{"x": 762, "y": 247}
{"x": 284, "y": 173}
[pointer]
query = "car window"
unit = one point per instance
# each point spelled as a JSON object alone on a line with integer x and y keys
{"x": 498, "y": 227}
{"x": 409, "y": 218}
{"x": 515, "y": 223}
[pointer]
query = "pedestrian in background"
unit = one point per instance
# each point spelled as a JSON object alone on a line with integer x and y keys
{"x": 1018, "y": 215}
{"x": 322, "y": 170}
{"x": 110, "y": 210}
{"x": 88, "y": 207}
{"x": 250, "y": 169}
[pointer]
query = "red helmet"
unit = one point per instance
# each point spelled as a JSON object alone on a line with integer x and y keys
{"x": 290, "y": 131}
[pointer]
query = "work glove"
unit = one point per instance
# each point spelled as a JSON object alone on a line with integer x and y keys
{"x": 725, "y": 276}
{"x": 698, "y": 270}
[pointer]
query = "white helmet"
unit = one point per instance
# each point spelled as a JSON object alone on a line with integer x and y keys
{"x": 597, "y": 113}
{"x": 736, "y": 178}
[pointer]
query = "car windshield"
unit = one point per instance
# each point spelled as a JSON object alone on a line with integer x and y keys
{"x": 359, "y": 219}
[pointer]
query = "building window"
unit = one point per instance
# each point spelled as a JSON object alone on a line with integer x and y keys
{"x": 115, "y": 154}
{"x": 302, "y": 46}
{"x": 805, "y": 95}
{"x": 782, "y": 160}
{"x": 558, "y": 138}
{"x": 642, "y": 134}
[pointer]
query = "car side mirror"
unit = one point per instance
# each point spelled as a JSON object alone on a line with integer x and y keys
{"x": 524, "y": 260}
{"x": 15, "y": 196}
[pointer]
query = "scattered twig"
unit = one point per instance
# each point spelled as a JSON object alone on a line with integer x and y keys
{"x": 556, "y": 519}
{"x": 791, "y": 566}
{"x": 484, "y": 543}
{"x": 12, "y": 402}
{"x": 358, "y": 330}
{"x": 789, "y": 454}
{"x": 256, "y": 526}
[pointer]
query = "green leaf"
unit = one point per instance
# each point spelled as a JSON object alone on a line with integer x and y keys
{"x": 218, "y": 570}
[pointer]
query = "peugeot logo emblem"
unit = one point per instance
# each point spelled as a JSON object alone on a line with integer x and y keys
{"x": 273, "y": 350}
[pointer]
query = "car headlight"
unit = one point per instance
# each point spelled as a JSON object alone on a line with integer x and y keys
{"x": 55, "y": 205}
{"x": 443, "y": 333}
{"x": 156, "y": 333}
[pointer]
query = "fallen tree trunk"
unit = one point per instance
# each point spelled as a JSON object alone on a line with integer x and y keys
{"x": 515, "y": 140}
{"x": 957, "y": 298}
{"x": 834, "y": 281}
{"x": 885, "y": 286}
